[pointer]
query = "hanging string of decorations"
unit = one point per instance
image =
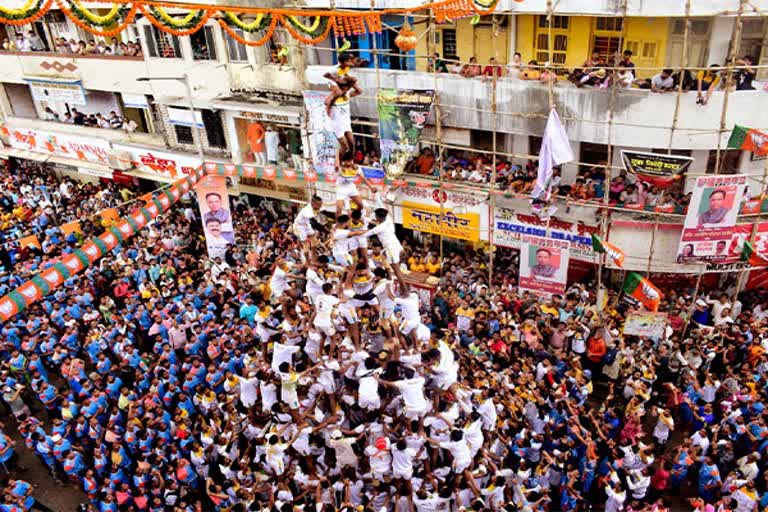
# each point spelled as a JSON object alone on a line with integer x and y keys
{"x": 30, "y": 12}
{"x": 108, "y": 25}
{"x": 307, "y": 26}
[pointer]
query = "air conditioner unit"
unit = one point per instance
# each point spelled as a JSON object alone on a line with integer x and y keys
{"x": 120, "y": 160}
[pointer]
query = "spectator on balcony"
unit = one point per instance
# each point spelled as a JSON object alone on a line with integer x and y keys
{"x": 35, "y": 43}
{"x": 516, "y": 67}
{"x": 114, "y": 44}
{"x": 101, "y": 122}
{"x": 78, "y": 117}
{"x": 589, "y": 65}
{"x": 531, "y": 71}
{"x": 626, "y": 61}
{"x": 492, "y": 69}
{"x": 746, "y": 74}
{"x": 115, "y": 121}
{"x": 630, "y": 196}
{"x": 472, "y": 69}
{"x": 130, "y": 126}
{"x": 82, "y": 49}
{"x": 580, "y": 191}
{"x": 50, "y": 115}
{"x": 424, "y": 163}
{"x": 547, "y": 74}
{"x": 687, "y": 79}
{"x": 22, "y": 43}
{"x": 663, "y": 82}
{"x": 707, "y": 80}
{"x": 8, "y": 45}
{"x": 436, "y": 64}
{"x": 617, "y": 187}
{"x": 68, "y": 118}
{"x": 456, "y": 66}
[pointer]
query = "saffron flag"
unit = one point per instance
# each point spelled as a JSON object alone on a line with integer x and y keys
{"x": 613, "y": 252}
{"x": 750, "y": 255}
{"x": 749, "y": 140}
{"x": 643, "y": 290}
{"x": 555, "y": 150}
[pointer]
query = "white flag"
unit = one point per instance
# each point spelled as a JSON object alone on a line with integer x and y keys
{"x": 555, "y": 150}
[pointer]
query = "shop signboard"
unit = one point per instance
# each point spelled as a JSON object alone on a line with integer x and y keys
{"x": 68, "y": 146}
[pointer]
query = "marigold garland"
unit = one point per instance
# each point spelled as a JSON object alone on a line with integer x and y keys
{"x": 114, "y": 17}
{"x": 484, "y": 8}
{"x": 129, "y": 17}
{"x": 30, "y": 12}
{"x": 203, "y": 19}
{"x": 322, "y": 30}
{"x": 267, "y": 35}
{"x": 260, "y": 23}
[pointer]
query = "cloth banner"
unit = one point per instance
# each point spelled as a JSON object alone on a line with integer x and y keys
{"x": 213, "y": 199}
{"x": 543, "y": 265}
{"x": 749, "y": 140}
{"x": 751, "y": 256}
{"x": 56, "y": 272}
{"x": 601, "y": 246}
{"x": 643, "y": 291}
{"x": 645, "y": 324}
{"x": 402, "y": 116}
{"x": 323, "y": 144}
{"x": 655, "y": 169}
{"x": 555, "y": 150}
{"x": 712, "y": 213}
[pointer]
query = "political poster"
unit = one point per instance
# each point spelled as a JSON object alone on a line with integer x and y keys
{"x": 402, "y": 116}
{"x": 216, "y": 215}
{"x": 543, "y": 265}
{"x": 708, "y": 228}
{"x": 655, "y": 169}
{"x": 645, "y": 324}
{"x": 323, "y": 144}
{"x": 509, "y": 227}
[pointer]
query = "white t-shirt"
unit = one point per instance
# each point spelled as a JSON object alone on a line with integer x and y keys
{"x": 402, "y": 462}
{"x": 460, "y": 452}
{"x": 282, "y": 354}
{"x": 409, "y": 307}
{"x": 248, "y": 392}
{"x": 279, "y": 282}
{"x": 324, "y": 309}
{"x": 303, "y": 217}
{"x": 272, "y": 141}
{"x": 413, "y": 393}
{"x": 380, "y": 460}
{"x": 386, "y": 233}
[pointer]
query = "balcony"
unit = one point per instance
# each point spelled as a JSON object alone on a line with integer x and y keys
{"x": 641, "y": 118}
{"x": 116, "y": 73}
{"x": 105, "y": 134}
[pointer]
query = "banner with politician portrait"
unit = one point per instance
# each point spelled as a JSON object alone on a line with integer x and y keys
{"x": 216, "y": 215}
{"x": 712, "y": 213}
{"x": 543, "y": 265}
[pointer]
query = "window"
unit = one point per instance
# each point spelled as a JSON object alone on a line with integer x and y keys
{"x": 697, "y": 27}
{"x": 183, "y": 134}
{"x": 609, "y": 24}
{"x": 729, "y": 161}
{"x": 161, "y": 45}
{"x": 214, "y": 130}
{"x": 203, "y": 44}
{"x": 607, "y": 47}
{"x": 649, "y": 51}
{"x": 558, "y": 51}
{"x": 449, "y": 42}
{"x": 237, "y": 52}
{"x": 277, "y": 48}
{"x": 57, "y": 22}
{"x": 559, "y": 22}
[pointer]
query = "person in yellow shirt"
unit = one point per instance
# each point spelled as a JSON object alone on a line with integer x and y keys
{"x": 706, "y": 81}
{"x": 433, "y": 265}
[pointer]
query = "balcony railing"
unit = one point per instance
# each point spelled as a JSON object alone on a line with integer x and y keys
{"x": 61, "y": 55}
{"x": 641, "y": 118}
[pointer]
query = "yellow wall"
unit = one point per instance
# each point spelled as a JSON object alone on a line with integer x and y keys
{"x": 478, "y": 40}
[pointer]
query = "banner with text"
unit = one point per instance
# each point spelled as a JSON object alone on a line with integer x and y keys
{"x": 647, "y": 324}
{"x": 323, "y": 144}
{"x": 216, "y": 214}
{"x": 712, "y": 212}
{"x": 543, "y": 265}
{"x": 428, "y": 219}
{"x": 402, "y": 116}
{"x": 510, "y": 227}
{"x": 655, "y": 169}
{"x": 68, "y": 146}
{"x": 162, "y": 164}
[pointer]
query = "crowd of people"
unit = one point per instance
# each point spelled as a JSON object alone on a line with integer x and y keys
{"x": 34, "y": 201}
{"x": 112, "y": 121}
{"x": 602, "y": 73}
{"x": 31, "y": 41}
{"x": 303, "y": 370}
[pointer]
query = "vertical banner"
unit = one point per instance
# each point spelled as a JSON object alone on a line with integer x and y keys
{"x": 712, "y": 213}
{"x": 402, "y": 116}
{"x": 323, "y": 144}
{"x": 216, "y": 214}
{"x": 656, "y": 170}
{"x": 543, "y": 265}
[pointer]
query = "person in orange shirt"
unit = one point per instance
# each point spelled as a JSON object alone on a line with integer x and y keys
{"x": 255, "y": 136}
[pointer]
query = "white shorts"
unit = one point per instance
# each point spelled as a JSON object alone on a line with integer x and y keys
{"x": 393, "y": 255}
{"x": 346, "y": 191}
{"x": 386, "y": 312}
{"x": 370, "y": 403}
{"x": 348, "y": 313}
{"x": 342, "y": 259}
{"x": 408, "y": 326}
{"x": 328, "y": 329}
{"x": 340, "y": 120}
{"x": 413, "y": 414}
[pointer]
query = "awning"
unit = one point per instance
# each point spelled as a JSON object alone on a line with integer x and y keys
{"x": 152, "y": 176}
{"x": 268, "y": 112}
{"x": 84, "y": 166}
{"x": 23, "y": 154}
{"x": 183, "y": 102}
